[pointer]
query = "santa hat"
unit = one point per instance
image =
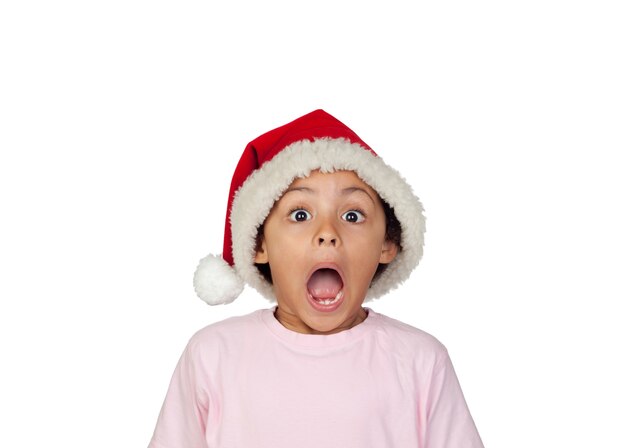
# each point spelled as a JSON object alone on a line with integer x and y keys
{"x": 269, "y": 164}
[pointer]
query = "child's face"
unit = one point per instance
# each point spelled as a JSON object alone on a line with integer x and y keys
{"x": 333, "y": 222}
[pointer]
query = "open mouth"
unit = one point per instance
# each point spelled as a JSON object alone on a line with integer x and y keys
{"x": 325, "y": 286}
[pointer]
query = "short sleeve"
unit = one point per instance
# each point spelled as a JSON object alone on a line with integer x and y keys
{"x": 183, "y": 417}
{"x": 448, "y": 420}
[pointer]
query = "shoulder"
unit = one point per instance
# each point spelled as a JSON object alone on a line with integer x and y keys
{"x": 408, "y": 341}
{"x": 225, "y": 333}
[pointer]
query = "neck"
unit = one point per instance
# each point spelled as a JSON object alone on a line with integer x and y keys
{"x": 294, "y": 323}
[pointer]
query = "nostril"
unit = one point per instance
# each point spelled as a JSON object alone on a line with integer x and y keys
{"x": 322, "y": 240}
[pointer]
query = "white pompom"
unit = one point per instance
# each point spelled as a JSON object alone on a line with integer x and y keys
{"x": 216, "y": 282}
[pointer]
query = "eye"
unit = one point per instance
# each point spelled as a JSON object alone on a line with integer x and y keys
{"x": 353, "y": 216}
{"x": 299, "y": 215}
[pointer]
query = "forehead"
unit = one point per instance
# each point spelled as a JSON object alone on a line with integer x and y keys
{"x": 317, "y": 180}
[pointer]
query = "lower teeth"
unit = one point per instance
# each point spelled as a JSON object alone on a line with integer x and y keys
{"x": 331, "y": 301}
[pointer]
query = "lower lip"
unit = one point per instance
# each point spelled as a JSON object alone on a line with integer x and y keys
{"x": 324, "y": 308}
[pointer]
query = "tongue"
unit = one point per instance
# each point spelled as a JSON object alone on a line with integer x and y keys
{"x": 325, "y": 284}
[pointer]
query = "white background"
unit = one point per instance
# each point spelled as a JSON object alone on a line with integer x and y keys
{"x": 121, "y": 123}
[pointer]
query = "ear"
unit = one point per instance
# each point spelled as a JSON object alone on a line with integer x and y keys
{"x": 261, "y": 254}
{"x": 389, "y": 252}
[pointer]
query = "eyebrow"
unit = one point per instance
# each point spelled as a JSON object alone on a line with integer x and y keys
{"x": 344, "y": 192}
{"x": 304, "y": 189}
{"x": 350, "y": 190}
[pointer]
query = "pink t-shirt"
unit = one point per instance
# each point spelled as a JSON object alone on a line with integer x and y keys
{"x": 249, "y": 382}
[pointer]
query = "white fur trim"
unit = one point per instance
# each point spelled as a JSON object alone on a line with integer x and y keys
{"x": 256, "y": 197}
{"x": 216, "y": 282}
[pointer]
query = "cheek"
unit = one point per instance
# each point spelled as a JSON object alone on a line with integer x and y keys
{"x": 367, "y": 249}
{"x": 286, "y": 250}
{"x": 368, "y": 239}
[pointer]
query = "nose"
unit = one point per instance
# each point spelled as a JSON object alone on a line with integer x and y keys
{"x": 327, "y": 240}
{"x": 327, "y": 235}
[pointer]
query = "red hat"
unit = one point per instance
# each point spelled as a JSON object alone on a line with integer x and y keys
{"x": 269, "y": 164}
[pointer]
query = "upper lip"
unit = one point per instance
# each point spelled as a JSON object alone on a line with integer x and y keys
{"x": 326, "y": 265}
